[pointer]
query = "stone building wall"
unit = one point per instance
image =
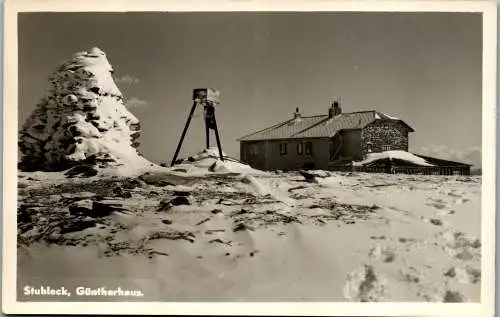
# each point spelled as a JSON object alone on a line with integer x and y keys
{"x": 382, "y": 133}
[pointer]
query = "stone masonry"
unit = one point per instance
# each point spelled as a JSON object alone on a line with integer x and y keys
{"x": 382, "y": 133}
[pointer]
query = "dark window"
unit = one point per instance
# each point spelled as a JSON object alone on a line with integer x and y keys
{"x": 252, "y": 150}
{"x": 282, "y": 148}
{"x": 309, "y": 148}
{"x": 300, "y": 148}
{"x": 369, "y": 147}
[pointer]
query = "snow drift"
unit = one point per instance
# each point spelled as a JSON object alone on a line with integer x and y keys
{"x": 208, "y": 161}
{"x": 82, "y": 119}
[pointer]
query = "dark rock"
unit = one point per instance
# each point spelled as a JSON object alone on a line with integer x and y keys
{"x": 22, "y": 185}
{"x": 451, "y": 272}
{"x": 211, "y": 168}
{"x": 308, "y": 176}
{"x": 120, "y": 192}
{"x": 135, "y": 126}
{"x": 190, "y": 159}
{"x": 180, "y": 200}
{"x": 166, "y": 221}
{"x": 106, "y": 207}
{"x": 155, "y": 180}
{"x": 246, "y": 180}
{"x": 81, "y": 171}
{"x": 131, "y": 183}
{"x": 436, "y": 222}
{"x": 81, "y": 207}
{"x": 453, "y": 297}
{"x": 77, "y": 224}
{"x": 95, "y": 90}
{"x": 95, "y": 209}
{"x": 476, "y": 244}
{"x": 239, "y": 212}
{"x": 23, "y": 214}
{"x": 182, "y": 170}
{"x": 216, "y": 211}
{"x": 217, "y": 241}
{"x": 241, "y": 227}
{"x": 203, "y": 221}
{"x": 164, "y": 205}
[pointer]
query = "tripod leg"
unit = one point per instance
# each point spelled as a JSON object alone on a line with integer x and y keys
{"x": 218, "y": 140}
{"x": 183, "y": 133}
{"x": 207, "y": 134}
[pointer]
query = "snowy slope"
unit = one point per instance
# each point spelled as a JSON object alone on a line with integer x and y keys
{"x": 349, "y": 237}
{"x": 208, "y": 161}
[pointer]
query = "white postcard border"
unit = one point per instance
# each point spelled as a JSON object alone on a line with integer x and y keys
{"x": 486, "y": 308}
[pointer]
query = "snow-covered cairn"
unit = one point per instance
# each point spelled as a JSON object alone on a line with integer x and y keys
{"x": 82, "y": 119}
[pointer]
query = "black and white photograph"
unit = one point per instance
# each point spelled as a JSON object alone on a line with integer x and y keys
{"x": 249, "y": 156}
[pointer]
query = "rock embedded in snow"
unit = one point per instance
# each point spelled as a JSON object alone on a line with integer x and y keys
{"x": 84, "y": 170}
{"x": 364, "y": 285}
{"x": 454, "y": 297}
{"x": 158, "y": 180}
{"x": 77, "y": 224}
{"x": 95, "y": 209}
{"x": 180, "y": 200}
{"x": 106, "y": 207}
{"x": 82, "y": 119}
{"x": 120, "y": 192}
{"x": 81, "y": 207}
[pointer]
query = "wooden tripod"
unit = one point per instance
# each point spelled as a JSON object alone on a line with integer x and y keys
{"x": 210, "y": 123}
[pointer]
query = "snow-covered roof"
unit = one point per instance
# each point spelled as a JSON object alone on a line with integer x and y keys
{"x": 399, "y": 155}
{"x": 319, "y": 126}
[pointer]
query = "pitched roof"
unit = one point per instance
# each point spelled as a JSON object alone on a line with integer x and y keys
{"x": 318, "y": 126}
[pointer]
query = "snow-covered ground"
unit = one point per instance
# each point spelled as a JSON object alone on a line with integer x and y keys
{"x": 200, "y": 231}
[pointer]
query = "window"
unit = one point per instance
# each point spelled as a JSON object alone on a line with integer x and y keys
{"x": 252, "y": 150}
{"x": 386, "y": 148}
{"x": 369, "y": 147}
{"x": 282, "y": 148}
{"x": 300, "y": 148}
{"x": 309, "y": 148}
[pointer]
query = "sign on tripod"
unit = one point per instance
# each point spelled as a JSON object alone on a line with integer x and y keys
{"x": 208, "y": 98}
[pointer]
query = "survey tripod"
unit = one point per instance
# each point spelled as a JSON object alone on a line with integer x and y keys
{"x": 208, "y": 98}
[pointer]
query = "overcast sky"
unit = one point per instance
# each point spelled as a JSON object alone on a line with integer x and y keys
{"x": 424, "y": 68}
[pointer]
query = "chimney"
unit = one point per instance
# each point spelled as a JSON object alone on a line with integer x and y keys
{"x": 334, "y": 110}
{"x": 296, "y": 115}
{"x": 331, "y": 112}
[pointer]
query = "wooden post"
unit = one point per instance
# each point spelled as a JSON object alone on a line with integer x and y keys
{"x": 207, "y": 135}
{"x": 184, "y": 133}
{"x": 218, "y": 140}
